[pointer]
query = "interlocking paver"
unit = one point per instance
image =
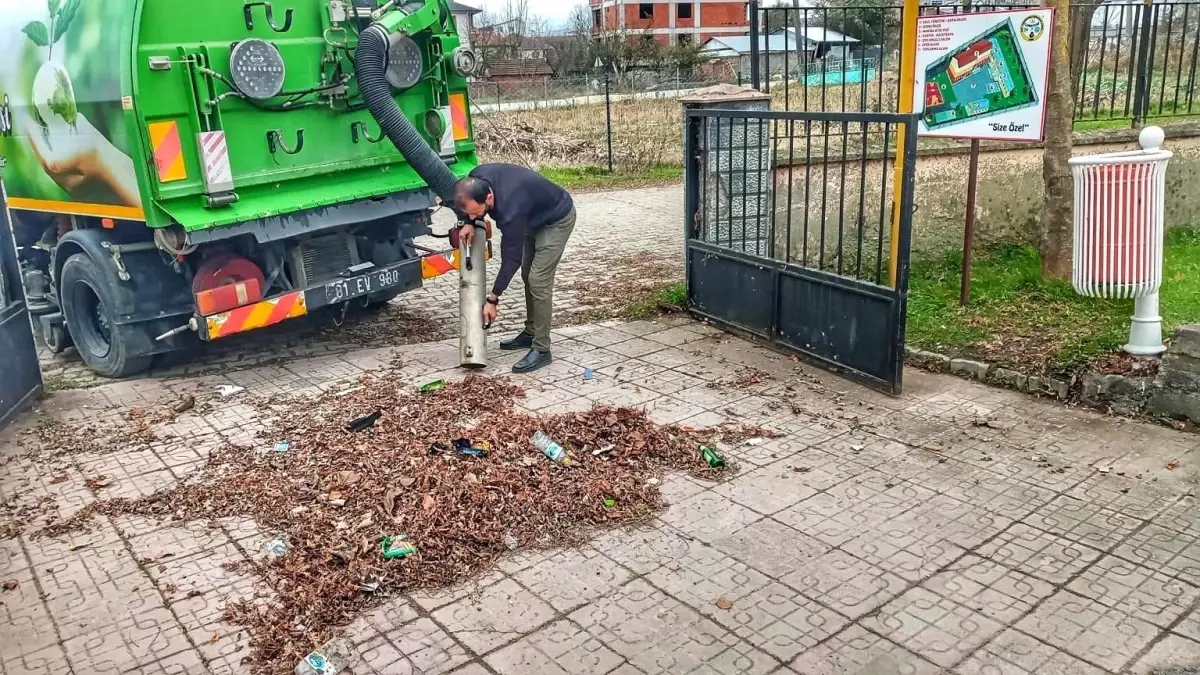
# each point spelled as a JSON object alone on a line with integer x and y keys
{"x": 1039, "y": 553}
{"x": 1084, "y": 522}
{"x": 989, "y": 588}
{"x": 427, "y": 647}
{"x": 938, "y": 628}
{"x": 1172, "y": 654}
{"x": 502, "y": 613}
{"x": 858, "y": 651}
{"x": 780, "y": 621}
{"x": 845, "y": 584}
{"x": 1089, "y": 630}
{"x": 1004, "y": 496}
{"x": 1169, "y": 551}
{"x": 704, "y": 576}
{"x": 908, "y": 552}
{"x": 709, "y": 516}
{"x": 569, "y": 579}
{"x": 1136, "y": 590}
{"x": 768, "y": 490}
{"x": 771, "y": 547}
{"x": 659, "y": 635}
{"x": 643, "y": 549}
{"x": 1014, "y": 653}
{"x": 561, "y": 648}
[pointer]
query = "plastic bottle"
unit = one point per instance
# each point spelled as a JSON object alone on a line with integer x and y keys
{"x": 333, "y": 657}
{"x": 548, "y": 447}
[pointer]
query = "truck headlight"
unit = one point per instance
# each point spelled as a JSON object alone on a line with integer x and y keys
{"x": 257, "y": 68}
{"x": 404, "y": 64}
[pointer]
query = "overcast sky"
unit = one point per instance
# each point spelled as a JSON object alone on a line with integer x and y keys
{"x": 555, "y": 11}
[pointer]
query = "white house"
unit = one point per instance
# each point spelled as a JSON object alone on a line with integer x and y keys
{"x": 464, "y": 20}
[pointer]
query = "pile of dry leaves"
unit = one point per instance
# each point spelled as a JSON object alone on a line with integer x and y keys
{"x": 505, "y": 138}
{"x": 333, "y": 494}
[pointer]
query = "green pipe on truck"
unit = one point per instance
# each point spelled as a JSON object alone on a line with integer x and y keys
{"x": 184, "y": 172}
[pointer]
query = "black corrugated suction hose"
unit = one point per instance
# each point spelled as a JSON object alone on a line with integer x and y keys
{"x": 370, "y": 66}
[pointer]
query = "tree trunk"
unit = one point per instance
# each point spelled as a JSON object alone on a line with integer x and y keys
{"x": 1056, "y": 174}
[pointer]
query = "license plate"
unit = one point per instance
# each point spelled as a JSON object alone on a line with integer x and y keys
{"x": 341, "y": 290}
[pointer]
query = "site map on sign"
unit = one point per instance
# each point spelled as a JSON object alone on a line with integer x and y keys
{"x": 985, "y": 76}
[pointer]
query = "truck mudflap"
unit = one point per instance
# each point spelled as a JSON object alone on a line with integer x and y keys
{"x": 405, "y": 274}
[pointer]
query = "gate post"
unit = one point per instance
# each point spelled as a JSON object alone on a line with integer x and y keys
{"x": 734, "y": 181}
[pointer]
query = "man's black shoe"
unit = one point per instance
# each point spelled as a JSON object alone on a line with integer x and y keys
{"x": 521, "y": 340}
{"x": 532, "y": 361}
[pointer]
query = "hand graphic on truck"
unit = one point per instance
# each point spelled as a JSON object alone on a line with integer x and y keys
{"x": 82, "y": 161}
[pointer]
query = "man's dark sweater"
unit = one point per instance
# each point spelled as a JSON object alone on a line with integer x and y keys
{"x": 524, "y": 202}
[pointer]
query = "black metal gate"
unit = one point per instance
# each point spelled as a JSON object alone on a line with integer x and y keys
{"x": 795, "y": 226}
{"x": 20, "y": 375}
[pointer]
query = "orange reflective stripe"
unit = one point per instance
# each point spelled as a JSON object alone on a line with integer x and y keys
{"x": 78, "y": 208}
{"x": 437, "y": 265}
{"x": 258, "y": 315}
{"x": 168, "y": 151}
{"x": 458, "y": 116}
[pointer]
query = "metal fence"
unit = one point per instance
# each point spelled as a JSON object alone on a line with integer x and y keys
{"x": 1133, "y": 61}
{"x": 1138, "y": 62}
{"x": 627, "y": 123}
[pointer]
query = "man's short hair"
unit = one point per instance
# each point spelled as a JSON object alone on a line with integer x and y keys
{"x": 470, "y": 187}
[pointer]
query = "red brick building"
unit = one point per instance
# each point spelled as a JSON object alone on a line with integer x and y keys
{"x": 670, "y": 21}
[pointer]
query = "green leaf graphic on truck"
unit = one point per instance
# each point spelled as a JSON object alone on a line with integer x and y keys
{"x": 52, "y": 85}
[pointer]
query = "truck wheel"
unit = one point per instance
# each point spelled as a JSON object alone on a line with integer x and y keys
{"x": 86, "y": 295}
{"x": 56, "y": 338}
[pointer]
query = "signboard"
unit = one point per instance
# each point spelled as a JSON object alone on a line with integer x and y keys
{"x": 983, "y": 75}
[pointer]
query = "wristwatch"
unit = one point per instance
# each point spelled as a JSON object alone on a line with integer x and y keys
{"x": 492, "y": 300}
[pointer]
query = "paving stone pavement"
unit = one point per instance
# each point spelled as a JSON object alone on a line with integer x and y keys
{"x": 1049, "y": 541}
{"x": 628, "y": 235}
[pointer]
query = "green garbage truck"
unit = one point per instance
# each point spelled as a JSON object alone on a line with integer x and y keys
{"x": 184, "y": 171}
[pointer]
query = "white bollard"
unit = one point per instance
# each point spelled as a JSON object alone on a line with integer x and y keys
{"x": 472, "y": 338}
{"x": 1118, "y": 242}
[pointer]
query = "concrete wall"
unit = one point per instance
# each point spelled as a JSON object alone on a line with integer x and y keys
{"x": 1009, "y": 197}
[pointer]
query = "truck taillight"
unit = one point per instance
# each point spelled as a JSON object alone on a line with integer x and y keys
{"x": 230, "y": 296}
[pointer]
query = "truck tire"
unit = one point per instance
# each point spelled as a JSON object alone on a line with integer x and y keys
{"x": 86, "y": 296}
{"x": 55, "y": 337}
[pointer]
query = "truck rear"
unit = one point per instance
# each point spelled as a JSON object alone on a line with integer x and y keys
{"x": 183, "y": 171}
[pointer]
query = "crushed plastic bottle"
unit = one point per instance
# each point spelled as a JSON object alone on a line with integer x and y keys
{"x": 276, "y": 548}
{"x": 333, "y": 657}
{"x": 397, "y": 547}
{"x": 710, "y": 456}
{"x": 511, "y": 542}
{"x": 548, "y": 447}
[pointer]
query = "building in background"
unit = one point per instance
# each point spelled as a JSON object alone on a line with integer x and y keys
{"x": 670, "y": 21}
{"x": 817, "y": 54}
{"x": 464, "y": 21}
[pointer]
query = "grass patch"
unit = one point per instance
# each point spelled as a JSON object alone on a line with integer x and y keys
{"x": 597, "y": 177}
{"x": 1105, "y": 124}
{"x": 669, "y": 297}
{"x": 1020, "y": 320}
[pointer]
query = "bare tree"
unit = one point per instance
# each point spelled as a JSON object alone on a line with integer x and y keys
{"x": 579, "y": 21}
{"x": 573, "y": 52}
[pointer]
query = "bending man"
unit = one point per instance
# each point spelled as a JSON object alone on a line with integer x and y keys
{"x": 535, "y": 218}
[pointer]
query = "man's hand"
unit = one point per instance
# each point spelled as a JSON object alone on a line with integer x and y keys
{"x": 490, "y": 312}
{"x": 466, "y": 234}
